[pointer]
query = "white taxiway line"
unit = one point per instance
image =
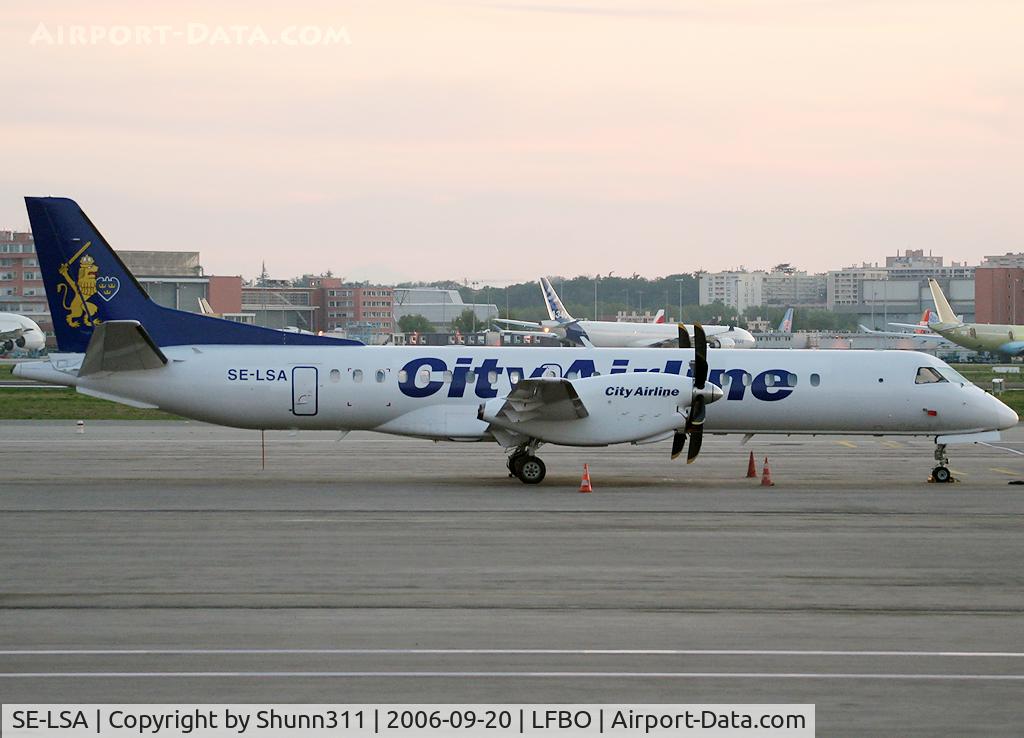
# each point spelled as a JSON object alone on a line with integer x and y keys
{"x": 504, "y": 675}
{"x": 496, "y": 652}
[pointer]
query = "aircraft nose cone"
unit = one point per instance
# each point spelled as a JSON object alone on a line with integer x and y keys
{"x": 1007, "y": 417}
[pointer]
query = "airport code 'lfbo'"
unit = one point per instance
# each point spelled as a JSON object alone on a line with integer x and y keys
{"x": 214, "y": 721}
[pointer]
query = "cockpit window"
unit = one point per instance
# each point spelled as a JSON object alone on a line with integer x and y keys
{"x": 928, "y": 375}
{"x": 953, "y": 375}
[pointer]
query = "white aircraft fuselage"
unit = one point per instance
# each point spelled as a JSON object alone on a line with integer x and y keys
{"x": 437, "y": 392}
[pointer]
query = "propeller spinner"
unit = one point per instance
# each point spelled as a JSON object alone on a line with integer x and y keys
{"x": 703, "y": 393}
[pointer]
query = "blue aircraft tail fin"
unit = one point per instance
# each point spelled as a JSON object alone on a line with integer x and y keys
{"x": 556, "y": 310}
{"x": 786, "y": 326}
{"x": 87, "y": 285}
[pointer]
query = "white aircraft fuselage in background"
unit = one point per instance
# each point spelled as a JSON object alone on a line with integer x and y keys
{"x": 19, "y": 332}
{"x": 606, "y": 333}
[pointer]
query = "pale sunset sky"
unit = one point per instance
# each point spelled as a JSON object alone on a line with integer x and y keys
{"x": 497, "y": 141}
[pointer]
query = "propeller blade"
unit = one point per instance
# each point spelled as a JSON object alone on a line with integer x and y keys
{"x": 697, "y": 413}
{"x": 700, "y": 357}
{"x": 684, "y": 337}
{"x": 696, "y": 438}
{"x": 678, "y": 441}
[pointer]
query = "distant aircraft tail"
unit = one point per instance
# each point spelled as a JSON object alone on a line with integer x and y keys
{"x": 946, "y": 314}
{"x": 925, "y": 320}
{"x": 556, "y": 311}
{"x": 659, "y": 317}
{"x": 87, "y": 285}
{"x": 786, "y": 326}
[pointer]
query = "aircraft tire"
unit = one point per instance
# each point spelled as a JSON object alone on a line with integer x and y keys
{"x": 941, "y": 474}
{"x": 531, "y": 470}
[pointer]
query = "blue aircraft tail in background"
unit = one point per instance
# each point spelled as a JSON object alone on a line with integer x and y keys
{"x": 786, "y": 326}
{"x": 87, "y": 284}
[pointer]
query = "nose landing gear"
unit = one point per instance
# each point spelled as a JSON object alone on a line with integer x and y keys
{"x": 941, "y": 473}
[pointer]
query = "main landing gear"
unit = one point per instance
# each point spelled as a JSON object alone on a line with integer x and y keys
{"x": 941, "y": 473}
{"x": 526, "y": 467}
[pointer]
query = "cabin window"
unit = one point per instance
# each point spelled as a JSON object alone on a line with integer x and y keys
{"x": 769, "y": 380}
{"x": 357, "y": 375}
{"x": 403, "y": 376}
{"x": 470, "y": 377}
{"x": 973, "y": 332}
{"x": 447, "y": 377}
{"x": 423, "y": 376}
{"x": 379, "y": 376}
{"x": 928, "y": 375}
{"x": 492, "y": 377}
{"x": 335, "y": 375}
{"x": 815, "y": 380}
{"x": 513, "y": 377}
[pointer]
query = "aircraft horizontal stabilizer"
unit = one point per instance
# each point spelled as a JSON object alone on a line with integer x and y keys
{"x": 121, "y": 346}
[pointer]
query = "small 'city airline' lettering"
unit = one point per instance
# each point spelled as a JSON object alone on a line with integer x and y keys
{"x": 257, "y": 375}
{"x": 627, "y": 392}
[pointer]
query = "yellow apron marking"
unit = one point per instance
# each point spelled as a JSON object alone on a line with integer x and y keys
{"x": 848, "y": 444}
{"x": 1005, "y": 471}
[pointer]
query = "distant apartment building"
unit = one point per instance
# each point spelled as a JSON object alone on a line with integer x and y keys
{"x": 1007, "y": 260}
{"x": 353, "y": 308}
{"x": 736, "y": 289}
{"x": 999, "y": 289}
{"x": 787, "y": 287}
{"x": 899, "y": 292}
{"x": 846, "y": 286}
{"x": 21, "y": 281}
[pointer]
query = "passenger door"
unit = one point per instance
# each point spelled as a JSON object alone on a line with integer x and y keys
{"x": 304, "y": 390}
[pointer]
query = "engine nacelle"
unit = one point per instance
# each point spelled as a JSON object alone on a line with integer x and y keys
{"x": 621, "y": 408}
{"x": 720, "y": 342}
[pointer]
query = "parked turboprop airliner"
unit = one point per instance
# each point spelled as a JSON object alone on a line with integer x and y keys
{"x": 142, "y": 354}
{"x": 621, "y": 334}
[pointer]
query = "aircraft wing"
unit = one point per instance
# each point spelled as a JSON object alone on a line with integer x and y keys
{"x": 509, "y": 321}
{"x": 508, "y": 332}
{"x": 545, "y": 398}
{"x": 927, "y": 337}
{"x": 13, "y": 334}
{"x": 914, "y": 326}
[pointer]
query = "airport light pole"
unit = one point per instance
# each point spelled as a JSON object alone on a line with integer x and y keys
{"x": 680, "y": 318}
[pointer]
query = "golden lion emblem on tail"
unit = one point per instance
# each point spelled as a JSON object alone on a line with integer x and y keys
{"x": 76, "y": 293}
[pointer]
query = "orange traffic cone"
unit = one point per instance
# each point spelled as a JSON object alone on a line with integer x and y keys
{"x": 751, "y": 467}
{"x": 766, "y": 477}
{"x": 585, "y": 482}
